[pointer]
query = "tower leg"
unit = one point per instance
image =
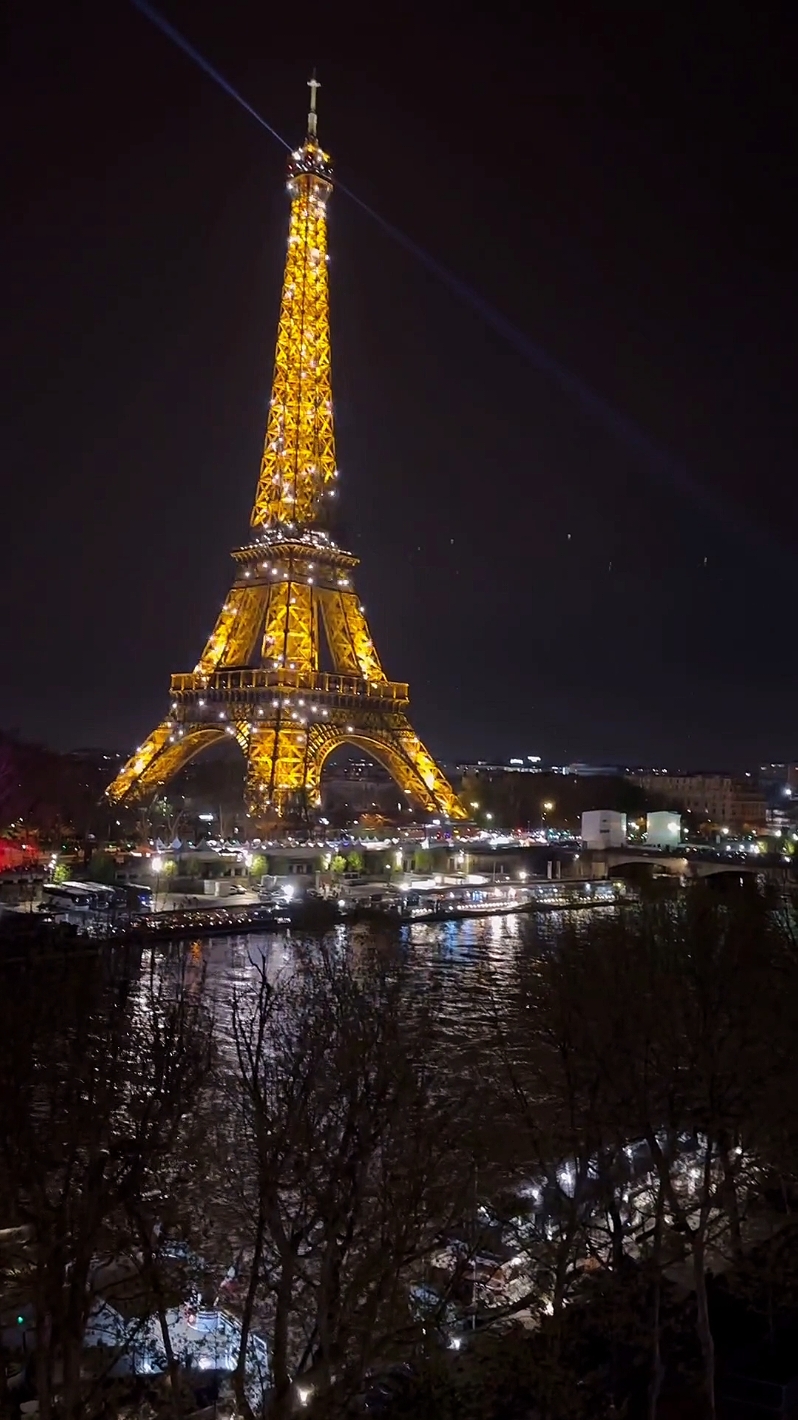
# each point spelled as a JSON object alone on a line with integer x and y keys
{"x": 418, "y": 758}
{"x": 281, "y": 771}
{"x": 162, "y": 755}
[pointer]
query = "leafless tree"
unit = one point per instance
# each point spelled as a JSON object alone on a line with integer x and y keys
{"x": 680, "y": 1014}
{"x": 640, "y": 1064}
{"x": 101, "y": 1064}
{"x": 343, "y": 1168}
{"x": 168, "y": 815}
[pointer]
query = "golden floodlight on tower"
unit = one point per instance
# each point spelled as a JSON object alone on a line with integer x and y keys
{"x": 293, "y": 608}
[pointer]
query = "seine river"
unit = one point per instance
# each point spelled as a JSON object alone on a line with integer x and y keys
{"x": 466, "y": 968}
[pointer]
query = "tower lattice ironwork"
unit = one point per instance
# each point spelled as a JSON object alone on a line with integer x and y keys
{"x": 290, "y": 670}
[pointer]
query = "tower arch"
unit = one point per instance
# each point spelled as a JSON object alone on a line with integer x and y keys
{"x": 165, "y": 754}
{"x": 390, "y": 752}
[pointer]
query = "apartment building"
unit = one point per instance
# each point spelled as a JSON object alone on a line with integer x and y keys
{"x": 718, "y": 799}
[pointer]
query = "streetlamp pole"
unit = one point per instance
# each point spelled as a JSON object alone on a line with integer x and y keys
{"x": 157, "y": 868}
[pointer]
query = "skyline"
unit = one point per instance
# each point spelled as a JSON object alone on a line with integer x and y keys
{"x": 579, "y": 591}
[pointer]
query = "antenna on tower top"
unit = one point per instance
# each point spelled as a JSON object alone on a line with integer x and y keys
{"x": 313, "y": 85}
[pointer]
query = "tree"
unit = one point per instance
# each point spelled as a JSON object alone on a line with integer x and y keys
{"x": 105, "y": 1069}
{"x": 171, "y": 815}
{"x": 645, "y": 1082}
{"x": 767, "y": 1278}
{"x": 517, "y": 799}
{"x": 7, "y": 781}
{"x": 102, "y": 868}
{"x": 341, "y": 1170}
{"x": 547, "y": 1126}
{"x": 680, "y": 1007}
{"x": 51, "y": 793}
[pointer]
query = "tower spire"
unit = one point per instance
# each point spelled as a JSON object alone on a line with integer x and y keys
{"x": 298, "y": 468}
{"x": 313, "y": 85}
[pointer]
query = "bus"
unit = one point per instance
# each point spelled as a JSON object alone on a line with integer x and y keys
{"x": 71, "y": 899}
{"x": 85, "y": 899}
{"x": 133, "y": 897}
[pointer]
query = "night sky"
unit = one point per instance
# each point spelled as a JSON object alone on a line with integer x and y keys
{"x": 606, "y": 575}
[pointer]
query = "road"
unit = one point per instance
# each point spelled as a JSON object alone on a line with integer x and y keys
{"x": 186, "y": 901}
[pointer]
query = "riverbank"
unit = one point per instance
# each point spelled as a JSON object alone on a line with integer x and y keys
{"x": 312, "y": 913}
{"x": 303, "y": 915}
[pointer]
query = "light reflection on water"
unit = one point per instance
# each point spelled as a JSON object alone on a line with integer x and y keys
{"x": 466, "y": 967}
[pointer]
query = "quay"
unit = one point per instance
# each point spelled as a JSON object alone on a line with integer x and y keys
{"x": 426, "y": 904}
{"x": 319, "y": 913}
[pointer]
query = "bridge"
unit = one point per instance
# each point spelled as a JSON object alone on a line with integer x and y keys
{"x": 690, "y": 863}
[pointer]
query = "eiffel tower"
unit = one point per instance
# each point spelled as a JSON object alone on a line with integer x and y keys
{"x": 293, "y": 606}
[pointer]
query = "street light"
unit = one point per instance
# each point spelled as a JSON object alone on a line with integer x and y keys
{"x": 156, "y": 864}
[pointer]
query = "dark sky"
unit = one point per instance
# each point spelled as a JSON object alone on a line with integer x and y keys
{"x": 616, "y": 182}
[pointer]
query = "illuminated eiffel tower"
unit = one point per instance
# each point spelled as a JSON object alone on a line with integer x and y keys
{"x": 293, "y": 607}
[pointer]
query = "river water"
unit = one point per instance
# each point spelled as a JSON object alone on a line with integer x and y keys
{"x": 466, "y": 968}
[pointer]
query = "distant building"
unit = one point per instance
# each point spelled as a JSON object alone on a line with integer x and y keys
{"x": 359, "y": 786}
{"x": 532, "y": 764}
{"x": 663, "y": 829}
{"x": 781, "y": 775}
{"x": 588, "y": 771}
{"x": 494, "y": 769}
{"x": 603, "y": 828}
{"x": 736, "y": 804}
{"x": 96, "y": 756}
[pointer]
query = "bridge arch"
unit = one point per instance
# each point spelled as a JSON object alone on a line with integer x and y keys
{"x": 642, "y": 865}
{"x": 725, "y": 870}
